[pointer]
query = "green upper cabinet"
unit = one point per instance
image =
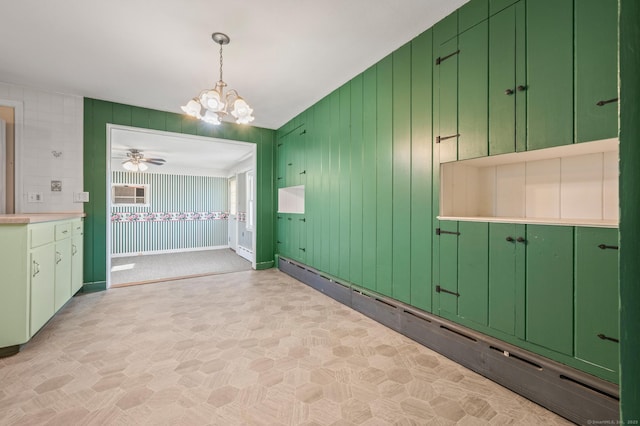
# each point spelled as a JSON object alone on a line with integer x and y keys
{"x": 507, "y": 80}
{"x": 596, "y": 69}
{"x": 473, "y": 92}
{"x": 281, "y": 162}
{"x": 596, "y": 297}
{"x": 549, "y": 73}
{"x": 549, "y": 282}
{"x": 472, "y": 13}
{"x": 446, "y": 92}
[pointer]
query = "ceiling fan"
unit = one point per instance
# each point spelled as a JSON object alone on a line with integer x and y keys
{"x": 136, "y": 161}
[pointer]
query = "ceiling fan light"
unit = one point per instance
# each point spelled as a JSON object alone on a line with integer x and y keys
{"x": 142, "y": 167}
{"x": 128, "y": 165}
{"x": 242, "y": 111}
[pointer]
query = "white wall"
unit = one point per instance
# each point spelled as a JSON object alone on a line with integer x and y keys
{"x": 50, "y": 122}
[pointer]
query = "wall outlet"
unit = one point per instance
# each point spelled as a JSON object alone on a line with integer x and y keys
{"x": 80, "y": 197}
{"x": 56, "y": 185}
{"x": 35, "y": 197}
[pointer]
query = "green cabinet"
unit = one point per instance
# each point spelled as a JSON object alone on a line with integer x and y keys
{"x": 77, "y": 250}
{"x": 41, "y": 282}
{"x": 291, "y": 235}
{"x": 291, "y": 158}
{"x": 507, "y": 80}
{"x": 473, "y": 68}
{"x": 549, "y": 83}
{"x": 596, "y": 297}
{"x": 462, "y": 285}
{"x": 39, "y": 269}
{"x": 549, "y": 287}
{"x": 596, "y": 69}
{"x": 507, "y": 278}
{"x": 446, "y": 92}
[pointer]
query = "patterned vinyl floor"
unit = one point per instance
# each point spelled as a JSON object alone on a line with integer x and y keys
{"x": 245, "y": 348}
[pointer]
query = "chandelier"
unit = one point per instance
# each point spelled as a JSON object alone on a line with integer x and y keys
{"x": 212, "y": 105}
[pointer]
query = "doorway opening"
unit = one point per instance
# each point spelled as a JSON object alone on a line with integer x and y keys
{"x": 8, "y": 119}
{"x": 170, "y": 209}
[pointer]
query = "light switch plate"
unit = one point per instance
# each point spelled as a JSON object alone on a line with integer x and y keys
{"x": 35, "y": 197}
{"x": 80, "y": 197}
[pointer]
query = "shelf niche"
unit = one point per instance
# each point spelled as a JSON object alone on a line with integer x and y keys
{"x": 573, "y": 184}
{"x": 291, "y": 199}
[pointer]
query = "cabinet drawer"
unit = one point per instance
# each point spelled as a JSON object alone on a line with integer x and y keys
{"x": 63, "y": 230}
{"x": 41, "y": 234}
{"x": 78, "y": 227}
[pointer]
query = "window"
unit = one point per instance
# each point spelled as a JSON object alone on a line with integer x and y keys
{"x": 137, "y": 195}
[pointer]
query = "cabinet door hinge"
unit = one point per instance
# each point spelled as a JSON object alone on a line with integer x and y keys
{"x": 604, "y": 247}
{"x": 444, "y": 290}
{"x": 603, "y": 337}
{"x": 440, "y": 232}
{"x": 439, "y": 59}
{"x": 610, "y": 101}
{"x": 444, "y": 138}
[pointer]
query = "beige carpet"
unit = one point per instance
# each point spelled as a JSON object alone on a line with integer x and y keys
{"x": 157, "y": 267}
{"x": 246, "y": 348}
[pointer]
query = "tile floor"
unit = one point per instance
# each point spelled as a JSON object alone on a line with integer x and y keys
{"x": 246, "y": 348}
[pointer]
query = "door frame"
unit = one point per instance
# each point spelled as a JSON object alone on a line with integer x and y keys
{"x": 110, "y": 128}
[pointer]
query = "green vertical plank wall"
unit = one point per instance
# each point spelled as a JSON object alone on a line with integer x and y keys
{"x": 421, "y": 178}
{"x": 369, "y": 181}
{"x": 629, "y": 42}
{"x": 98, "y": 113}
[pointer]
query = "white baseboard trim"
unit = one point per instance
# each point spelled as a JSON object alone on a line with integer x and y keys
{"x": 245, "y": 252}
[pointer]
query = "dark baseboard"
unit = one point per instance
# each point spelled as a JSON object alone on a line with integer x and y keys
{"x": 573, "y": 394}
{"x": 264, "y": 265}
{"x": 93, "y": 287}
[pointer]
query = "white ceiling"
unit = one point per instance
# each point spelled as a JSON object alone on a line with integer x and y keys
{"x": 284, "y": 55}
{"x": 191, "y": 155}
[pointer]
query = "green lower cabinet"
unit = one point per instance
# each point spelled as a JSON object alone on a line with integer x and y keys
{"x": 506, "y": 278}
{"x": 42, "y": 273}
{"x": 63, "y": 273}
{"x": 596, "y": 297}
{"x": 549, "y": 287}
{"x": 298, "y": 237}
{"x": 447, "y": 281}
{"x": 282, "y": 234}
{"x": 473, "y": 271}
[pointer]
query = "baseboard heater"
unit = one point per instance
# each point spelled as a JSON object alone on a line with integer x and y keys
{"x": 573, "y": 394}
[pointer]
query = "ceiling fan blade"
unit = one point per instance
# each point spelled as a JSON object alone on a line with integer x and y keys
{"x": 156, "y": 159}
{"x": 157, "y": 163}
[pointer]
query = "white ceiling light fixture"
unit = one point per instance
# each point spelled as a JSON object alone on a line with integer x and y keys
{"x": 137, "y": 160}
{"x": 212, "y": 105}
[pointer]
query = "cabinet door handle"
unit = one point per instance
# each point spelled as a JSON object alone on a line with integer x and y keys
{"x": 58, "y": 257}
{"x": 35, "y": 268}
{"x": 289, "y": 164}
{"x": 521, "y": 240}
{"x": 603, "y": 337}
{"x": 304, "y": 172}
{"x": 508, "y": 92}
{"x": 74, "y": 249}
{"x": 610, "y": 101}
{"x": 521, "y": 88}
{"x": 302, "y": 249}
{"x": 65, "y": 231}
{"x": 604, "y": 247}
{"x": 510, "y": 239}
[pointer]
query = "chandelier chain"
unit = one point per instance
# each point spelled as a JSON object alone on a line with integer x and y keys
{"x": 221, "y": 62}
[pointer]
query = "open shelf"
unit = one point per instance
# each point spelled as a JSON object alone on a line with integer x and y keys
{"x": 568, "y": 185}
{"x": 291, "y": 199}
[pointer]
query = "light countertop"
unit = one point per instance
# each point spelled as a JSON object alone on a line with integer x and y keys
{"x": 8, "y": 219}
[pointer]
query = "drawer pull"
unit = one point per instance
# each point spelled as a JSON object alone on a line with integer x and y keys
{"x": 603, "y": 337}
{"x": 444, "y": 290}
{"x": 35, "y": 268}
{"x": 604, "y": 247}
{"x": 610, "y": 101}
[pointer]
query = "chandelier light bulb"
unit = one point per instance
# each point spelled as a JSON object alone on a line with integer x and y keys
{"x": 142, "y": 167}
{"x": 128, "y": 165}
{"x": 212, "y": 104}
